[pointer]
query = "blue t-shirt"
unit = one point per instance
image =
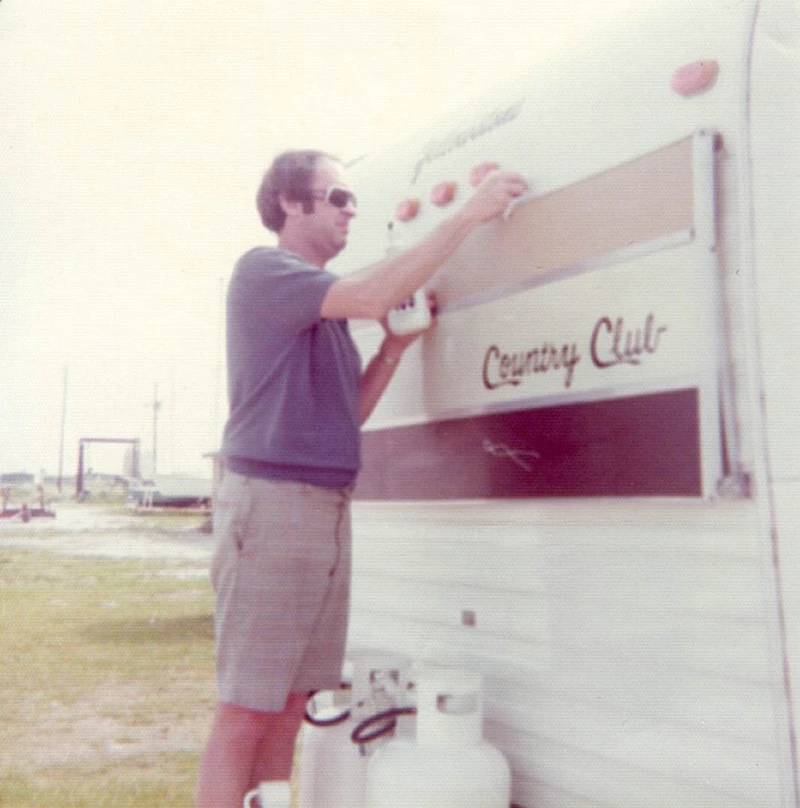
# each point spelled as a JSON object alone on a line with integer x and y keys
{"x": 293, "y": 378}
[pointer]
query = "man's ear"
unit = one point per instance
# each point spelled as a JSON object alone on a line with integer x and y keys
{"x": 291, "y": 207}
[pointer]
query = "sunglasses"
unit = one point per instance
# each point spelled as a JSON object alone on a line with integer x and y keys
{"x": 337, "y": 196}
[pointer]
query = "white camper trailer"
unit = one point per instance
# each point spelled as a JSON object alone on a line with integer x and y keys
{"x": 583, "y": 481}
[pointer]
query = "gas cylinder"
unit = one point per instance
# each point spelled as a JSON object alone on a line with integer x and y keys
{"x": 448, "y": 764}
{"x": 332, "y": 769}
{"x": 270, "y": 794}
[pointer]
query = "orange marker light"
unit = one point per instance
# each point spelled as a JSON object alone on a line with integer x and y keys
{"x": 407, "y": 210}
{"x": 479, "y": 172}
{"x": 443, "y": 193}
{"x": 695, "y": 77}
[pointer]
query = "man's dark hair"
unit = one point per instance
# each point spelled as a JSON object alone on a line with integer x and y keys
{"x": 291, "y": 174}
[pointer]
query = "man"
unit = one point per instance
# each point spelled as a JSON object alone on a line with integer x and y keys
{"x": 291, "y": 449}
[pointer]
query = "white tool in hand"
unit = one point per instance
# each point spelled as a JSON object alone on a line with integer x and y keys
{"x": 514, "y": 203}
{"x": 412, "y": 315}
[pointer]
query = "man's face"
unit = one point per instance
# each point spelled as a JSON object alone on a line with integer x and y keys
{"x": 328, "y": 225}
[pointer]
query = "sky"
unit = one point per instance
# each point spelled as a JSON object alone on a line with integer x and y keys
{"x": 132, "y": 140}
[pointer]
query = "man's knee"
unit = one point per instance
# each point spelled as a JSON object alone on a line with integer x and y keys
{"x": 247, "y": 723}
{"x": 240, "y": 724}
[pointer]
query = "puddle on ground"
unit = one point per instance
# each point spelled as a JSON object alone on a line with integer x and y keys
{"x": 91, "y": 531}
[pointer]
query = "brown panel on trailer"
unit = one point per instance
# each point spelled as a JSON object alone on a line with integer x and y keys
{"x": 644, "y": 445}
{"x": 633, "y": 203}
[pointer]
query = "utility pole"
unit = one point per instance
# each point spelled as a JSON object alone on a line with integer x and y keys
{"x": 63, "y": 429}
{"x": 215, "y": 421}
{"x": 156, "y": 408}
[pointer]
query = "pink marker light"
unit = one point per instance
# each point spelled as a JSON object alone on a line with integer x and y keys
{"x": 443, "y": 194}
{"x": 480, "y": 171}
{"x": 407, "y": 210}
{"x": 695, "y": 77}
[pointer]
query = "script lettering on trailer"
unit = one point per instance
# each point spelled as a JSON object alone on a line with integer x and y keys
{"x": 611, "y": 343}
{"x": 457, "y": 139}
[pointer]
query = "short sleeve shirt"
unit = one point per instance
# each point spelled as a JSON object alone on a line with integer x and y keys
{"x": 293, "y": 378}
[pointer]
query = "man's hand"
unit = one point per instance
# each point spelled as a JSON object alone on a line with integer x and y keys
{"x": 494, "y": 195}
{"x": 401, "y": 341}
{"x": 370, "y": 294}
{"x": 382, "y": 366}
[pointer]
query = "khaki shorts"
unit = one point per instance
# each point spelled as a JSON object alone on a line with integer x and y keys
{"x": 281, "y": 573}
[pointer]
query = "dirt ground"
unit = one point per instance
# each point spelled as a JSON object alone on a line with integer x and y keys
{"x": 113, "y": 533}
{"x": 98, "y": 731}
{"x": 121, "y": 721}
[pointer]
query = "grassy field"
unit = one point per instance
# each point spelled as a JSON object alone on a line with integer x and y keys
{"x": 106, "y": 678}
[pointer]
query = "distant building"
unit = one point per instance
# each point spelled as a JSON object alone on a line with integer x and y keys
{"x": 17, "y": 478}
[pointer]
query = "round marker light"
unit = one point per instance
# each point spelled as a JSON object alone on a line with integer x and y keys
{"x": 479, "y": 172}
{"x": 443, "y": 194}
{"x": 407, "y": 209}
{"x": 695, "y": 77}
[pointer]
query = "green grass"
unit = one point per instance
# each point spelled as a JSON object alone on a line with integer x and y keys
{"x": 139, "y": 782}
{"x": 106, "y": 680}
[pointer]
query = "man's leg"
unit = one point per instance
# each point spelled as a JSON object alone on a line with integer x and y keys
{"x": 276, "y": 751}
{"x": 245, "y": 747}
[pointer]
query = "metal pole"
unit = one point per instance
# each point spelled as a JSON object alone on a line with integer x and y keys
{"x": 79, "y": 478}
{"x": 63, "y": 429}
{"x": 215, "y": 423}
{"x": 156, "y": 406}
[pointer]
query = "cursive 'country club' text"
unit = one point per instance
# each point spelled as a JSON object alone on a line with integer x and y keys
{"x": 501, "y": 368}
{"x": 614, "y": 344}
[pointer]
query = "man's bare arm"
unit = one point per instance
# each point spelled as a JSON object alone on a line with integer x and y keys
{"x": 370, "y": 294}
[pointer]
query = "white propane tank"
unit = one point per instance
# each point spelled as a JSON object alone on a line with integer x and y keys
{"x": 332, "y": 770}
{"x": 449, "y": 765}
{"x": 270, "y": 794}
